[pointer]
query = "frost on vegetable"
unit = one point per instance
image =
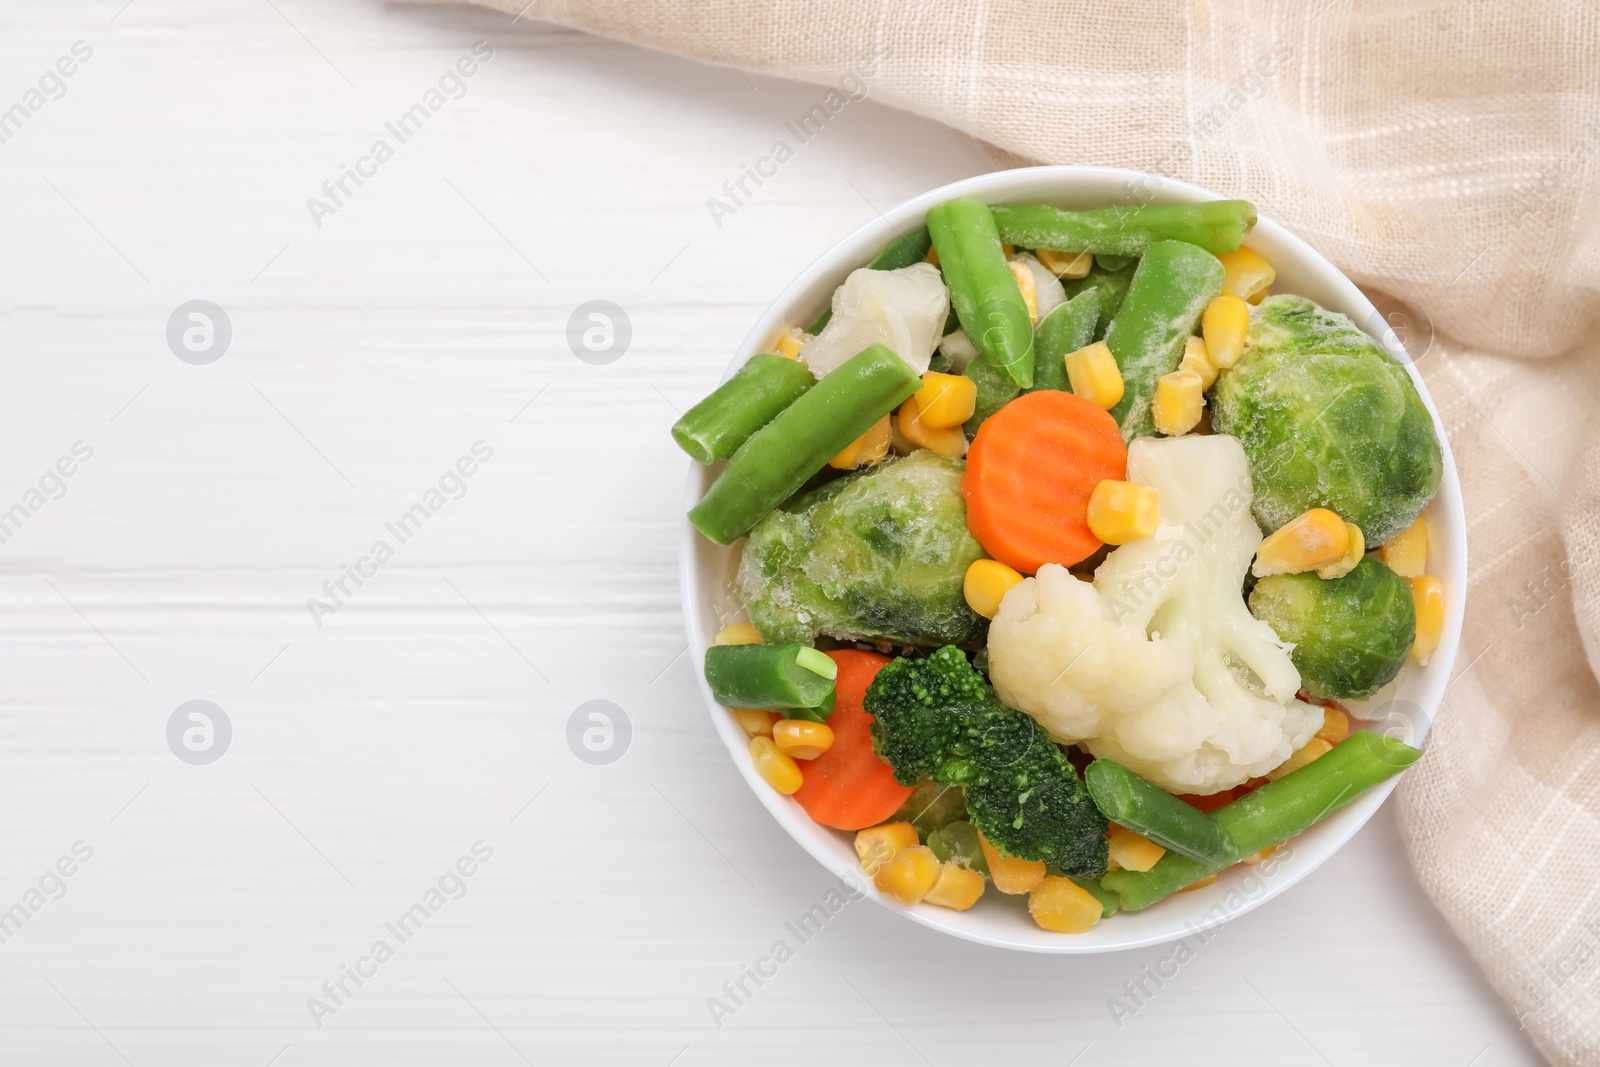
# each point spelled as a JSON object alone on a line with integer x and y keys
{"x": 880, "y": 555}
{"x": 1048, "y": 291}
{"x": 1159, "y": 665}
{"x": 1328, "y": 420}
{"x": 1350, "y": 634}
{"x": 903, "y": 310}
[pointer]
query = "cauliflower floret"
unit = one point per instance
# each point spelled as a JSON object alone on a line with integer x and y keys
{"x": 903, "y": 310}
{"x": 1159, "y": 664}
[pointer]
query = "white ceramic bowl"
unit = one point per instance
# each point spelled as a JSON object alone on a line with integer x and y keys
{"x": 1404, "y": 709}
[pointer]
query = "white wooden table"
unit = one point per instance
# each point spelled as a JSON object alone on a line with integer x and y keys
{"x": 426, "y": 313}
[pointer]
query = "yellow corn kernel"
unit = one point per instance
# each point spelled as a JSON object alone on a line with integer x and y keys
{"x": 1008, "y": 249}
{"x": 1245, "y": 273}
{"x": 1178, "y": 402}
{"x": 1224, "y": 324}
{"x": 1011, "y": 875}
{"x": 1202, "y": 883}
{"x": 1063, "y": 906}
{"x": 1198, "y": 359}
{"x": 1256, "y": 857}
{"x": 739, "y": 633}
{"x": 907, "y": 878}
{"x": 986, "y": 584}
{"x": 1428, "y": 593}
{"x": 932, "y": 256}
{"x": 1094, "y": 375}
{"x": 1120, "y": 512}
{"x": 753, "y": 721}
{"x": 1406, "y": 552}
{"x": 791, "y": 341}
{"x": 947, "y": 441}
{"x": 1352, "y": 554}
{"x": 1335, "y": 725}
{"x": 1258, "y": 297}
{"x": 865, "y": 451}
{"x": 1065, "y": 264}
{"x": 1312, "y": 749}
{"x": 779, "y": 770}
{"x": 877, "y": 845}
{"x": 958, "y": 888}
{"x": 946, "y": 399}
{"x": 802, "y": 738}
{"x": 1312, "y": 539}
{"x": 1133, "y": 852}
{"x": 1030, "y": 293}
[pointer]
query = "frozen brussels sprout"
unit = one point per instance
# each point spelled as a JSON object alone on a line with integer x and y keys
{"x": 1328, "y": 420}
{"x": 1350, "y": 634}
{"x": 879, "y": 555}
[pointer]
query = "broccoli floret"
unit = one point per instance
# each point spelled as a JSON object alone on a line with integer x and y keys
{"x": 936, "y": 718}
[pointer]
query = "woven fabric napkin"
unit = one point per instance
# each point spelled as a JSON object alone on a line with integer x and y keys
{"x": 1442, "y": 153}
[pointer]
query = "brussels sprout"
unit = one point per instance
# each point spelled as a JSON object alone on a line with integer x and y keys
{"x": 879, "y": 555}
{"x": 1350, "y": 634}
{"x": 1328, "y": 420}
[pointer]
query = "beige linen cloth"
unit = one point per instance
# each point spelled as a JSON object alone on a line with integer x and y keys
{"x": 1443, "y": 152}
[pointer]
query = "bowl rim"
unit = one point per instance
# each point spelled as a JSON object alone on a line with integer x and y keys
{"x": 1312, "y": 848}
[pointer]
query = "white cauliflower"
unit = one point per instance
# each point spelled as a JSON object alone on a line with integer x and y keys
{"x": 1159, "y": 664}
{"x": 903, "y": 310}
{"x": 1048, "y": 291}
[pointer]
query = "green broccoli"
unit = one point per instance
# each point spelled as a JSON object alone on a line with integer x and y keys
{"x": 936, "y": 718}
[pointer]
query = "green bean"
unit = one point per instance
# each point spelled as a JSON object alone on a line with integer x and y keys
{"x": 1126, "y": 230}
{"x": 1066, "y": 329}
{"x": 983, "y": 290}
{"x": 1145, "y": 808}
{"x": 765, "y": 385}
{"x": 959, "y": 841}
{"x": 1110, "y": 262}
{"x": 1112, "y": 285}
{"x": 1109, "y": 901}
{"x": 903, "y": 251}
{"x": 995, "y": 391}
{"x": 1171, "y": 287}
{"x": 1274, "y": 813}
{"x": 778, "y": 458}
{"x": 819, "y": 713}
{"x": 769, "y": 677}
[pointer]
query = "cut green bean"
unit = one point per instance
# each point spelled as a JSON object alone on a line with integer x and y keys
{"x": 778, "y": 458}
{"x": 769, "y": 677}
{"x": 1146, "y": 808}
{"x": 995, "y": 391}
{"x": 1171, "y": 287}
{"x": 719, "y": 424}
{"x": 1109, "y": 901}
{"x": 1110, "y": 262}
{"x": 983, "y": 290}
{"x": 1274, "y": 813}
{"x": 1066, "y": 329}
{"x": 1112, "y": 285}
{"x": 819, "y": 713}
{"x": 903, "y": 251}
{"x": 1127, "y": 230}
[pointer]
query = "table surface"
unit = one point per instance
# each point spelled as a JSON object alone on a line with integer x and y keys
{"x": 423, "y": 712}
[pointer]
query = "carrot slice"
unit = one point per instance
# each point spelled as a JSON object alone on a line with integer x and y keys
{"x": 848, "y": 787}
{"x": 1030, "y": 472}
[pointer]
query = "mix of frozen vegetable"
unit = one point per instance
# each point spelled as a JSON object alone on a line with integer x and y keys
{"x": 1068, "y": 553}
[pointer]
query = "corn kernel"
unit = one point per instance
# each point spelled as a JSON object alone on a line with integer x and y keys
{"x": 1197, "y": 359}
{"x": 1178, "y": 402}
{"x": 1335, "y": 725}
{"x": 1406, "y": 552}
{"x": 779, "y": 770}
{"x": 1064, "y": 906}
{"x": 877, "y": 845}
{"x": 1352, "y": 554}
{"x": 958, "y": 888}
{"x": 1011, "y": 875}
{"x": 791, "y": 341}
{"x": 947, "y": 441}
{"x": 739, "y": 633}
{"x": 867, "y": 450}
{"x": 1256, "y": 857}
{"x": 1030, "y": 292}
{"x": 1008, "y": 249}
{"x": 1258, "y": 297}
{"x": 1312, "y": 749}
{"x": 1428, "y": 593}
{"x": 1201, "y": 884}
{"x": 932, "y": 256}
{"x": 1312, "y": 539}
{"x": 1120, "y": 512}
{"x": 1064, "y": 264}
{"x": 1133, "y": 852}
{"x": 753, "y": 721}
{"x": 946, "y": 399}
{"x": 1224, "y": 324}
{"x": 986, "y": 584}
{"x": 1094, "y": 375}
{"x": 1245, "y": 273}
{"x": 802, "y": 738}
{"x": 908, "y": 877}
